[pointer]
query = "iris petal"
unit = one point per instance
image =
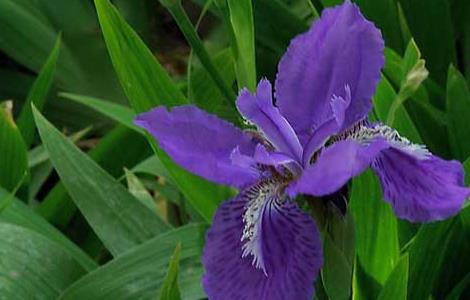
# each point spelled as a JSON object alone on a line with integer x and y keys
{"x": 287, "y": 242}
{"x": 335, "y": 166}
{"x": 341, "y": 48}
{"x": 421, "y": 189}
{"x": 260, "y": 110}
{"x": 201, "y": 143}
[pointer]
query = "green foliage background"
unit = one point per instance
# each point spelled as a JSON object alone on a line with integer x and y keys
{"x": 91, "y": 208}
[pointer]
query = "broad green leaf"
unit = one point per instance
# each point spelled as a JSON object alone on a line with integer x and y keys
{"x": 395, "y": 288}
{"x": 426, "y": 257}
{"x": 119, "y": 219}
{"x": 170, "y": 290}
{"x": 38, "y": 94}
{"x": 425, "y": 18}
{"x": 19, "y": 214}
{"x": 203, "y": 92}
{"x": 336, "y": 272}
{"x": 13, "y": 157}
{"x": 144, "y": 80}
{"x": 117, "y": 112}
{"x": 147, "y": 85}
{"x": 243, "y": 43}
{"x": 458, "y": 112}
{"x": 139, "y": 273}
{"x": 120, "y": 147}
{"x": 414, "y": 73}
{"x": 377, "y": 244}
{"x": 32, "y": 266}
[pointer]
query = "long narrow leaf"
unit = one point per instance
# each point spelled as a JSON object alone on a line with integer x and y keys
{"x": 38, "y": 94}
{"x": 19, "y": 214}
{"x": 120, "y": 220}
{"x": 32, "y": 266}
{"x": 147, "y": 85}
{"x": 13, "y": 155}
{"x": 139, "y": 274}
{"x": 241, "y": 18}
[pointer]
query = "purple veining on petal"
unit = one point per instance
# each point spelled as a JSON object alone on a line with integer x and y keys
{"x": 201, "y": 143}
{"x": 421, "y": 189}
{"x": 260, "y": 110}
{"x": 288, "y": 237}
{"x": 341, "y": 48}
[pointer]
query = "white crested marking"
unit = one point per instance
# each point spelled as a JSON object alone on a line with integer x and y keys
{"x": 366, "y": 133}
{"x": 258, "y": 197}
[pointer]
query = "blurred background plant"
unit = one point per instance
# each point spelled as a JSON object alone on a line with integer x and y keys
{"x": 90, "y": 208}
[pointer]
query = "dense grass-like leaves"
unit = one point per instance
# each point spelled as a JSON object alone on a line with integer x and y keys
{"x": 13, "y": 155}
{"x": 32, "y": 266}
{"x": 120, "y": 220}
{"x": 147, "y": 85}
{"x": 139, "y": 273}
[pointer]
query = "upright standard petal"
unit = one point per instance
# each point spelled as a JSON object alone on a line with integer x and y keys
{"x": 260, "y": 110}
{"x": 281, "y": 262}
{"x": 421, "y": 189}
{"x": 341, "y": 48}
{"x": 201, "y": 143}
{"x": 335, "y": 166}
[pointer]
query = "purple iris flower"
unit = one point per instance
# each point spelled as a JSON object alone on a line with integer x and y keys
{"x": 312, "y": 141}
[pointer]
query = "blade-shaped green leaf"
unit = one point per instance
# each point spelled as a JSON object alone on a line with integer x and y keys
{"x": 243, "y": 44}
{"x": 19, "y": 214}
{"x": 139, "y": 273}
{"x": 377, "y": 245}
{"x": 395, "y": 287}
{"x": 32, "y": 266}
{"x": 119, "y": 219}
{"x": 336, "y": 272}
{"x": 203, "y": 92}
{"x": 170, "y": 290}
{"x": 119, "y": 113}
{"x": 120, "y": 147}
{"x": 147, "y": 85}
{"x": 426, "y": 256}
{"x": 458, "y": 112}
{"x": 144, "y": 80}
{"x": 188, "y": 30}
{"x": 13, "y": 155}
{"x": 38, "y": 94}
